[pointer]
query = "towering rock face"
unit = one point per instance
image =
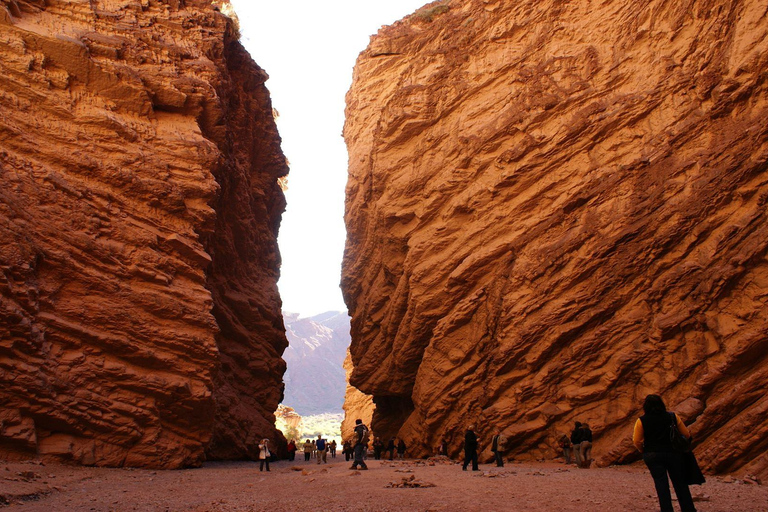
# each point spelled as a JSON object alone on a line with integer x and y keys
{"x": 139, "y": 206}
{"x": 556, "y": 208}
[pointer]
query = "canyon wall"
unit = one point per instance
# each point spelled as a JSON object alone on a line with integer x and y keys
{"x": 555, "y": 208}
{"x": 139, "y": 207}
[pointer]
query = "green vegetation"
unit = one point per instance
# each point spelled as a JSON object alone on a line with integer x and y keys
{"x": 428, "y": 13}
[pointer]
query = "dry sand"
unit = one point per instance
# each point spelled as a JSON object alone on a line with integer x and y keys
{"x": 305, "y": 486}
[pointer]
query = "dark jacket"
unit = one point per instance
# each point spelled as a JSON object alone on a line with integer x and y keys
{"x": 576, "y": 436}
{"x": 470, "y": 441}
{"x": 586, "y": 434}
{"x": 656, "y": 431}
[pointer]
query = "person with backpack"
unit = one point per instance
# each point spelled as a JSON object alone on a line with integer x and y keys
{"x": 264, "y": 454}
{"x": 332, "y": 448}
{"x": 564, "y": 443}
{"x": 361, "y": 444}
{"x": 576, "y": 442}
{"x": 652, "y": 436}
{"x": 497, "y": 447}
{"x": 347, "y": 450}
{"x": 322, "y": 449}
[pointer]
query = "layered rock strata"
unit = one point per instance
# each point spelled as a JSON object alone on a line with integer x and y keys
{"x": 139, "y": 207}
{"x": 554, "y": 209}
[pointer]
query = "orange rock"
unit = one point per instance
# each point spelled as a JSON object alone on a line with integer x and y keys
{"x": 139, "y": 207}
{"x": 554, "y": 209}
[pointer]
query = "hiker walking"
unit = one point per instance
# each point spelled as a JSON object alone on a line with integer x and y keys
{"x": 585, "y": 447}
{"x": 470, "y": 449}
{"x": 400, "y": 449}
{"x": 497, "y": 447}
{"x": 652, "y": 437}
{"x": 576, "y": 442}
{"x": 332, "y": 447}
{"x": 308, "y": 450}
{"x": 361, "y": 444}
{"x": 347, "y": 450}
{"x": 264, "y": 454}
{"x": 322, "y": 449}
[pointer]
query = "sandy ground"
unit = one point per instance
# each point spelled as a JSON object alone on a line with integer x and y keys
{"x": 305, "y": 486}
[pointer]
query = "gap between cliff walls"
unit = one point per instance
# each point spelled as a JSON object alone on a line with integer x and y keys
{"x": 245, "y": 266}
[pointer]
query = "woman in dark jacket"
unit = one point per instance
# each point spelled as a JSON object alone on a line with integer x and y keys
{"x": 651, "y": 436}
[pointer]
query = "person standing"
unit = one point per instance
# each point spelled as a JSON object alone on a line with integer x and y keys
{"x": 307, "y": 450}
{"x": 391, "y": 448}
{"x": 497, "y": 447}
{"x": 347, "y": 450}
{"x": 470, "y": 449}
{"x": 291, "y": 450}
{"x": 378, "y": 446}
{"x": 332, "y": 447}
{"x": 442, "y": 448}
{"x": 264, "y": 454}
{"x": 585, "y": 448}
{"x": 565, "y": 445}
{"x": 322, "y": 449}
{"x": 576, "y": 442}
{"x": 651, "y": 436}
{"x": 361, "y": 444}
{"x": 400, "y": 449}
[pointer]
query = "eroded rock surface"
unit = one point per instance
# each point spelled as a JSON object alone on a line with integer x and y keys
{"x": 139, "y": 206}
{"x": 554, "y": 209}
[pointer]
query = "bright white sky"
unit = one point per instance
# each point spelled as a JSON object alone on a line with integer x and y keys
{"x": 309, "y": 48}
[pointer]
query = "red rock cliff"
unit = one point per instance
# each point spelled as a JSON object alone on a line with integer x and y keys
{"x": 555, "y": 208}
{"x": 139, "y": 207}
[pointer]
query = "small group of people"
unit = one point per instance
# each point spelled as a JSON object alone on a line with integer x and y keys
{"x": 318, "y": 448}
{"x": 393, "y": 447}
{"x": 579, "y": 444}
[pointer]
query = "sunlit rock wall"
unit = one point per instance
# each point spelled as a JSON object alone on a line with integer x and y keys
{"x": 139, "y": 207}
{"x": 555, "y": 208}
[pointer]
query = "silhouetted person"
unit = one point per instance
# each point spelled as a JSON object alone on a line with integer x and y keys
{"x": 291, "y": 450}
{"x": 378, "y": 446}
{"x": 391, "y": 448}
{"x": 332, "y": 448}
{"x": 442, "y": 448}
{"x": 652, "y": 437}
{"x": 576, "y": 442}
{"x": 585, "y": 447}
{"x": 565, "y": 445}
{"x": 400, "y": 449}
{"x": 361, "y": 444}
{"x": 470, "y": 449}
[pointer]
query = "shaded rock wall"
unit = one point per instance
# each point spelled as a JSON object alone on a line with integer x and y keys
{"x": 139, "y": 206}
{"x": 556, "y": 208}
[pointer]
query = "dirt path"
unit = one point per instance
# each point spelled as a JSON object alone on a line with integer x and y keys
{"x": 239, "y": 486}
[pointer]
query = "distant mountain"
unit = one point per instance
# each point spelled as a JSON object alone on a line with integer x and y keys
{"x": 315, "y": 381}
